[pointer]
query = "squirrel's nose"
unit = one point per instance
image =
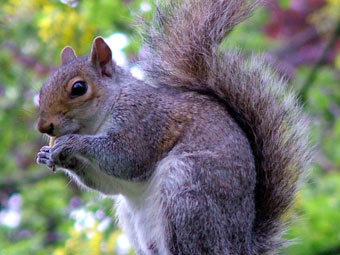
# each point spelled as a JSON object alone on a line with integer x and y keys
{"x": 46, "y": 128}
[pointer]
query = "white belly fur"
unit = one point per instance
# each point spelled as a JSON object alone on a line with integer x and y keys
{"x": 140, "y": 214}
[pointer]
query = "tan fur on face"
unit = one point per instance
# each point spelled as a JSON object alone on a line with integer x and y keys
{"x": 58, "y": 105}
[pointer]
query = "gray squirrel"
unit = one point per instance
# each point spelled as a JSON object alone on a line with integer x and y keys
{"x": 202, "y": 157}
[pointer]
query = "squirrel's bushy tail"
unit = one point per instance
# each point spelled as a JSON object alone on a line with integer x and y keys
{"x": 182, "y": 51}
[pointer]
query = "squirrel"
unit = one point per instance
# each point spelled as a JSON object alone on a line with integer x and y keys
{"x": 203, "y": 156}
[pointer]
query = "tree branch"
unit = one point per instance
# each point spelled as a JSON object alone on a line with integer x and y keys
{"x": 313, "y": 74}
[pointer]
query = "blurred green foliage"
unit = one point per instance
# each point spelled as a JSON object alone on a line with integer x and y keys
{"x": 45, "y": 213}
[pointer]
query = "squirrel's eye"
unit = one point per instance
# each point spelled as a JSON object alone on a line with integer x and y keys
{"x": 79, "y": 88}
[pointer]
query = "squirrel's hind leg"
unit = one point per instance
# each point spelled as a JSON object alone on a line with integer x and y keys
{"x": 203, "y": 210}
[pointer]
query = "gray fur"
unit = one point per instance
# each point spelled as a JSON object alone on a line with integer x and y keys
{"x": 206, "y": 160}
{"x": 260, "y": 102}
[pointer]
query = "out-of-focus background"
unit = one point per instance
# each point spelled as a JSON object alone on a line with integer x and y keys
{"x": 45, "y": 213}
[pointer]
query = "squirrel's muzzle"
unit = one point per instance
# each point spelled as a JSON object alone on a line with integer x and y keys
{"x": 45, "y": 127}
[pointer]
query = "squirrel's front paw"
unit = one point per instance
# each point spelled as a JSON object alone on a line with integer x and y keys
{"x": 44, "y": 157}
{"x": 62, "y": 153}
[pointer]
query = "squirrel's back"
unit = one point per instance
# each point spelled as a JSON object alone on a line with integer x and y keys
{"x": 182, "y": 50}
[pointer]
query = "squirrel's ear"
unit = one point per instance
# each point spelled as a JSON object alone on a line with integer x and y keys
{"x": 67, "y": 55}
{"x": 101, "y": 57}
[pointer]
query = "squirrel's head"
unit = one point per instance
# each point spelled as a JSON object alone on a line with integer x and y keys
{"x": 73, "y": 98}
